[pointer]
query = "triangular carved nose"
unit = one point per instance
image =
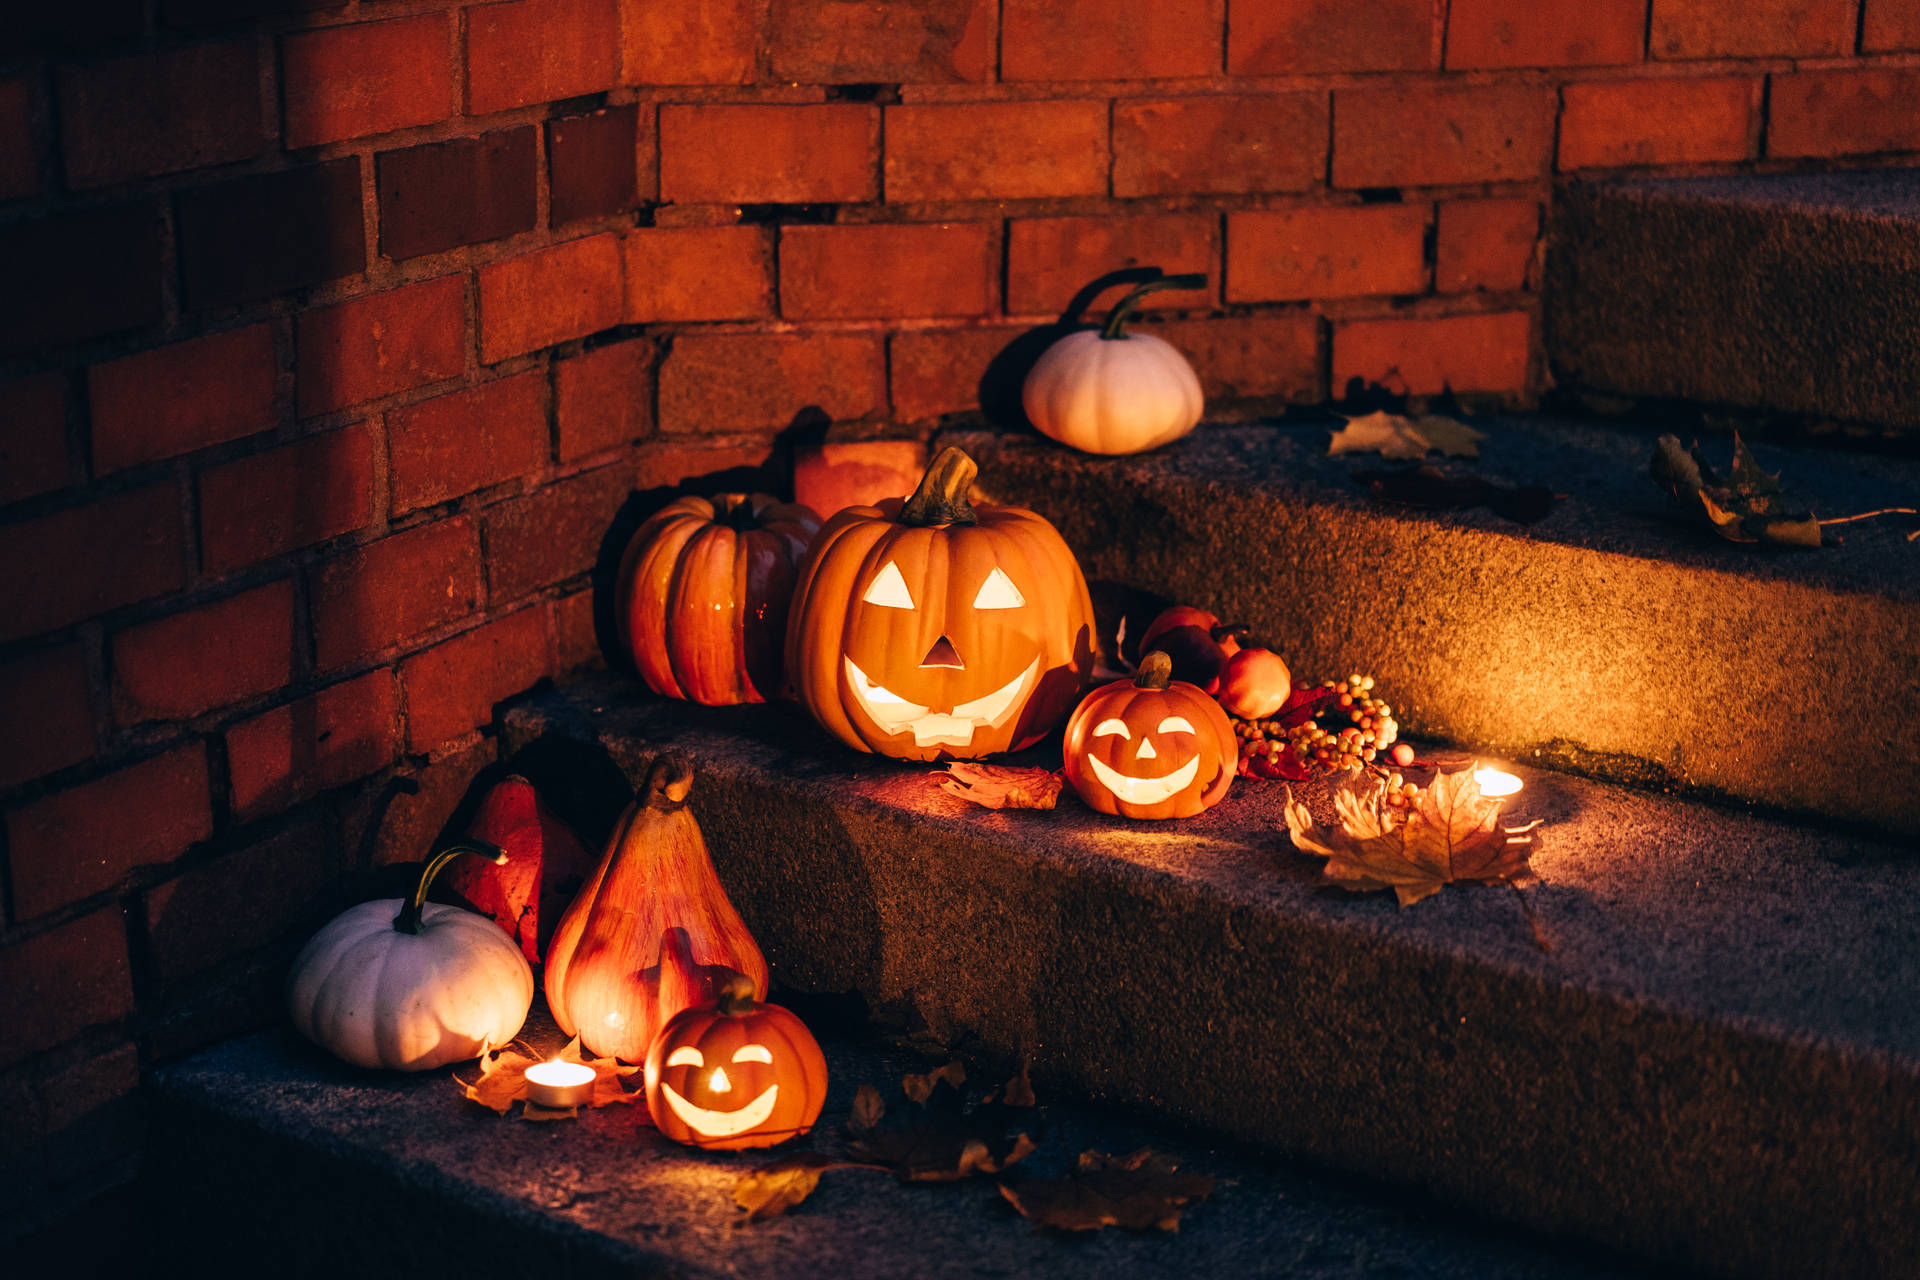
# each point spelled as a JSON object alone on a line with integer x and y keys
{"x": 943, "y": 654}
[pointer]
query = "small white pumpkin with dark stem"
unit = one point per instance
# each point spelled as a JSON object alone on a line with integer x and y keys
{"x": 408, "y": 984}
{"x": 1108, "y": 391}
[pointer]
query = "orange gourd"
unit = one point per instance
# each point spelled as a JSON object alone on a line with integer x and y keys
{"x": 1150, "y": 747}
{"x": 652, "y": 931}
{"x": 735, "y": 1073}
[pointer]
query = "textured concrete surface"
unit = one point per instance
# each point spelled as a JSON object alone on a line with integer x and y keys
{"x": 1794, "y": 293}
{"x": 275, "y": 1159}
{"x": 1614, "y": 636}
{"x": 1718, "y": 1062}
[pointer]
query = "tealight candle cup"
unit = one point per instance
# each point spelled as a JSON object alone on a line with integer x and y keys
{"x": 559, "y": 1084}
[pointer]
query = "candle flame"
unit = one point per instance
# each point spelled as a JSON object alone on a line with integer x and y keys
{"x": 1495, "y": 783}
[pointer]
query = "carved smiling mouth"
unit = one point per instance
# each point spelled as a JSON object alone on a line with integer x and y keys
{"x": 1145, "y": 790}
{"x": 894, "y": 714}
{"x": 721, "y": 1124}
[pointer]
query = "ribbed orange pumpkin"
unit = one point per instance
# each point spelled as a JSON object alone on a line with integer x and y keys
{"x": 701, "y": 598}
{"x": 1151, "y": 747}
{"x": 735, "y": 1073}
{"x": 652, "y": 932}
{"x": 930, "y": 629}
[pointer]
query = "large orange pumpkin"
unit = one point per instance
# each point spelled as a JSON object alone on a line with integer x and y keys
{"x": 1151, "y": 747}
{"x": 735, "y": 1073}
{"x": 652, "y": 931}
{"x": 701, "y": 598}
{"x": 931, "y": 629}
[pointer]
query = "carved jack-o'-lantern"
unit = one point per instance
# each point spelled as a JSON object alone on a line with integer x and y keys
{"x": 1150, "y": 747}
{"x": 934, "y": 630}
{"x": 735, "y": 1074}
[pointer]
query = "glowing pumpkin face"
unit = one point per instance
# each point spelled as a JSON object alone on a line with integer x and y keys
{"x": 735, "y": 1074}
{"x": 1150, "y": 747}
{"x": 930, "y": 630}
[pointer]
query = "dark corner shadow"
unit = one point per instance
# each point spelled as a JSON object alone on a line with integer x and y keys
{"x": 1006, "y": 373}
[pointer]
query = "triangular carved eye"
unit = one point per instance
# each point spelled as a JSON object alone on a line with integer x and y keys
{"x": 888, "y": 589}
{"x": 998, "y": 592}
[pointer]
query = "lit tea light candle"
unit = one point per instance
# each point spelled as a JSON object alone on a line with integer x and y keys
{"x": 559, "y": 1084}
{"x": 1496, "y": 783}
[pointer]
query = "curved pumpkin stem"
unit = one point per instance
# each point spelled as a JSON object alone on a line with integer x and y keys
{"x": 1155, "y": 671}
{"x": 668, "y": 782}
{"x": 942, "y": 495}
{"x": 736, "y": 995}
{"x": 408, "y": 921}
{"x": 1123, "y": 310}
{"x": 1239, "y": 632}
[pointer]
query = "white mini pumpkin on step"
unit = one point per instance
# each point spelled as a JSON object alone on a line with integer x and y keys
{"x": 1108, "y": 391}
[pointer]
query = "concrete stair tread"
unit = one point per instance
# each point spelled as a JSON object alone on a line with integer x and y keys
{"x": 603, "y": 1195}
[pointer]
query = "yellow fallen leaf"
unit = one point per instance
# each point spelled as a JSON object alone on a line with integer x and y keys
{"x": 1392, "y": 436}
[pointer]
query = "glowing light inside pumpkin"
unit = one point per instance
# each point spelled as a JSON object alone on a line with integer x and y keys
{"x": 1495, "y": 783}
{"x": 559, "y": 1084}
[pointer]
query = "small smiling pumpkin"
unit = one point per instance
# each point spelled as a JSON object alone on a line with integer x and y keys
{"x": 1150, "y": 747}
{"x": 735, "y": 1074}
{"x": 931, "y": 629}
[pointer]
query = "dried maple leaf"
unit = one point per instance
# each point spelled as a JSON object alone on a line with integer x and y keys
{"x": 1745, "y": 505}
{"x": 936, "y": 1136}
{"x": 772, "y": 1189}
{"x": 503, "y": 1077}
{"x": 503, "y": 1082}
{"x": 1452, "y": 833}
{"x": 607, "y": 1076}
{"x": 1140, "y": 1191}
{"x": 1392, "y": 436}
{"x": 1002, "y": 787}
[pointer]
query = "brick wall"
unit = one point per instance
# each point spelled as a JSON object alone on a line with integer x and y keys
{"x": 336, "y": 331}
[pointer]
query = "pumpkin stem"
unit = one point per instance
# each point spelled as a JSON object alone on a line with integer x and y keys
{"x": 408, "y": 921}
{"x": 1240, "y": 632}
{"x": 669, "y": 781}
{"x": 736, "y": 994}
{"x": 1123, "y": 310}
{"x": 942, "y": 495}
{"x": 1155, "y": 670}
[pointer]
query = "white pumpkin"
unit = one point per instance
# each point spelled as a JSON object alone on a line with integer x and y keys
{"x": 1108, "y": 391}
{"x": 409, "y": 984}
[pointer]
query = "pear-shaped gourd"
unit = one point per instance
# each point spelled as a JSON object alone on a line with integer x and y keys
{"x": 652, "y": 932}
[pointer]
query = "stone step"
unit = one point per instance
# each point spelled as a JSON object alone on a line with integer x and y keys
{"x": 1786, "y": 293}
{"x": 267, "y": 1152}
{"x": 1717, "y": 1062}
{"x": 1614, "y": 637}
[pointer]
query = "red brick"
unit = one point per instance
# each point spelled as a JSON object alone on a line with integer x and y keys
{"x": 899, "y": 42}
{"x": 751, "y": 381}
{"x": 1841, "y": 113}
{"x": 1427, "y": 355}
{"x": 57, "y": 985}
{"x": 380, "y": 343}
{"x": 1544, "y": 33}
{"x": 402, "y": 826}
{"x": 552, "y": 534}
{"x": 322, "y": 741}
{"x": 1109, "y": 39}
{"x": 1704, "y": 120}
{"x": 1049, "y": 260}
{"x": 79, "y": 275}
{"x": 454, "y": 444}
{"x": 256, "y": 237}
{"x": 367, "y": 78}
{"x": 996, "y": 150}
{"x": 1284, "y": 37}
{"x": 19, "y": 156}
{"x": 115, "y": 551}
{"x": 833, "y": 476}
{"x": 766, "y": 153}
{"x": 1485, "y": 244}
{"x": 1890, "y": 26}
{"x": 690, "y": 41}
{"x": 886, "y": 270}
{"x": 698, "y": 273}
{"x": 548, "y": 296}
{"x": 156, "y": 113}
{"x": 452, "y": 687}
{"x": 81, "y": 841}
{"x": 1272, "y": 358}
{"x": 175, "y": 399}
{"x": 176, "y": 667}
{"x": 1219, "y": 145}
{"x": 1419, "y": 136}
{"x": 936, "y": 371}
{"x": 603, "y": 398}
{"x": 47, "y": 690}
{"x": 1752, "y": 28}
{"x": 270, "y": 890}
{"x": 460, "y": 192}
{"x": 33, "y": 436}
{"x": 539, "y": 51}
{"x": 380, "y": 595}
{"x": 1283, "y": 255}
{"x": 575, "y": 636}
{"x": 594, "y": 164}
{"x": 672, "y": 463}
{"x": 285, "y": 498}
